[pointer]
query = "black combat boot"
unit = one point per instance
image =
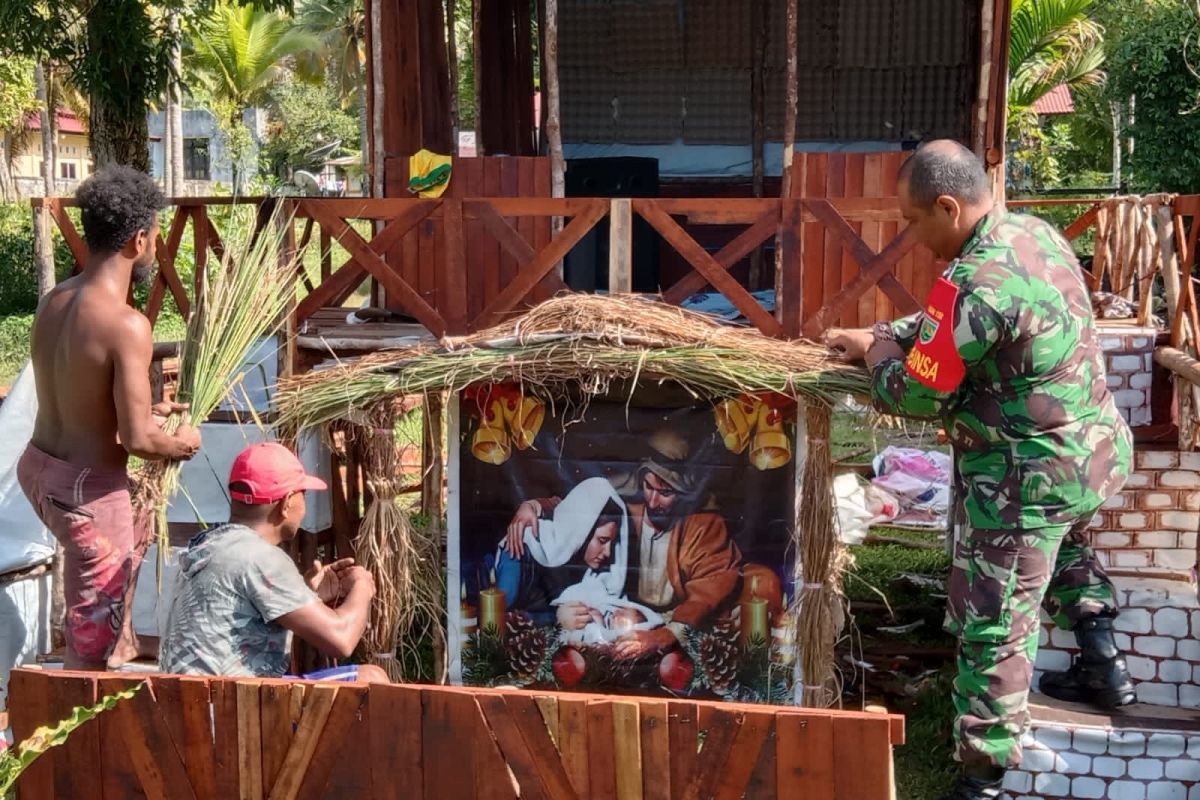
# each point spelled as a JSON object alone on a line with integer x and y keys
{"x": 1098, "y": 675}
{"x": 978, "y": 782}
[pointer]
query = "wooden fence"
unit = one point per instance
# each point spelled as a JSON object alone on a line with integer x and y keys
{"x": 183, "y": 738}
{"x": 459, "y": 263}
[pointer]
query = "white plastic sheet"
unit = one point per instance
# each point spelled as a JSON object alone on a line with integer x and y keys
{"x": 24, "y": 625}
{"x": 206, "y": 498}
{"x": 24, "y": 541}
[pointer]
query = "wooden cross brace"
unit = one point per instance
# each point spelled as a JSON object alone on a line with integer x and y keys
{"x": 874, "y": 268}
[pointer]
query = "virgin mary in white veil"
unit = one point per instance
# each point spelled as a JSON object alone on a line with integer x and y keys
{"x": 565, "y": 538}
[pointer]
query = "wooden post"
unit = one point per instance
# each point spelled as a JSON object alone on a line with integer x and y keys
{"x": 558, "y": 166}
{"x": 620, "y": 246}
{"x": 789, "y": 129}
{"x": 1169, "y": 265}
{"x": 174, "y": 146}
{"x": 476, "y": 36}
{"x": 375, "y": 95}
{"x": 758, "y": 110}
{"x": 979, "y": 126}
{"x": 452, "y": 63}
{"x": 287, "y": 256}
{"x": 433, "y": 452}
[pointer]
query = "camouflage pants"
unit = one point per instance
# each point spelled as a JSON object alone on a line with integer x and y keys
{"x": 999, "y": 580}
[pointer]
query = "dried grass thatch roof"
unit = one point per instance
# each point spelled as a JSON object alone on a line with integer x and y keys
{"x": 584, "y": 340}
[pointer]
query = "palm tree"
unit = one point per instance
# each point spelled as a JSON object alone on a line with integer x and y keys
{"x": 1053, "y": 43}
{"x": 341, "y": 27}
{"x": 238, "y": 54}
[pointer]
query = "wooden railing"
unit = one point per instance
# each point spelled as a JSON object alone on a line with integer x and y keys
{"x": 430, "y": 276}
{"x": 210, "y": 738}
{"x": 459, "y": 264}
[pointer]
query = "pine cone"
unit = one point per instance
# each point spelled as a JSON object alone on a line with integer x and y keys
{"x": 526, "y": 645}
{"x": 719, "y": 660}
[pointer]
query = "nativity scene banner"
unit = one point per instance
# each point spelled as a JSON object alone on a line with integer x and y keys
{"x": 625, "y": 544}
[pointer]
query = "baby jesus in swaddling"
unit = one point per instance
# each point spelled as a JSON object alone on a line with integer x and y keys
{"x": 590, "y": 532}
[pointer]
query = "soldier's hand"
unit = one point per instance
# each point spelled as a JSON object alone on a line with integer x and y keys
{"x": 852, "y": 343}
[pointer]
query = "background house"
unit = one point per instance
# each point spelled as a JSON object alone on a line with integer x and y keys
{"x": 206, "y": 158}
{"x": 73, "y": 162}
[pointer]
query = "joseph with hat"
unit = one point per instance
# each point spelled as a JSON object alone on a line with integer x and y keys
{"x": 687, "y": 565}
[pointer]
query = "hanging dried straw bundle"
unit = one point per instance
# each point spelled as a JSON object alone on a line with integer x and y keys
{"x": 819, "y": 569}
{"x": 239, "y": 303}
{"x": 384, "y": 536}
{"x": 581, "y": 340}
{"x": 398, "y": 553}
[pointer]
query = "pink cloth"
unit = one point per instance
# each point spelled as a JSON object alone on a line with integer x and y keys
{"x": 89, "y": 511}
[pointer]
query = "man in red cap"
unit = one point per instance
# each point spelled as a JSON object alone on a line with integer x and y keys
{"x": 239, "y": 597}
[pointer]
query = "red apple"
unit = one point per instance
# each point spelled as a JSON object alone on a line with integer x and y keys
{"x": 568, "y": 666}
{"x": 675, "y": 671}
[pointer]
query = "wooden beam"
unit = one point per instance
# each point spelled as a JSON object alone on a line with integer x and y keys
{"x": 835, "y": 224}
{"x": 1179, "y": 363}
{"x": 700, "y": 260}
{"x": 67, "y": 228}
{"x": 396, "y": 286}
{"x": 728, "y": 256}
{"x": 1086, "y": 220}
{"x": 511, "y": 240}
{"x": 871, "y": 274}
{"x": 620, "y": 246}
{"x": 545, "y": 261}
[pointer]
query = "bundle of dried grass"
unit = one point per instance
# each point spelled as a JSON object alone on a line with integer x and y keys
{"x": 239, "y": 303}
{"x": 396, "y": 551}
{"x": 580, "y": 340}
{"x": 380, "y": 546}
{"x": 819, "y": 569}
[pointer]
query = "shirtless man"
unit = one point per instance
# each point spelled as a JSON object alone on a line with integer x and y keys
{"x": 91, "y": 362}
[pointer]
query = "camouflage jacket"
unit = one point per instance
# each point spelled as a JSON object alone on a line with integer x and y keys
{"x": 1037, "y": 437}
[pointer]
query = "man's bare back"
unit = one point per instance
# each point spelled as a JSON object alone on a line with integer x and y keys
{"x": 87, "y": 346}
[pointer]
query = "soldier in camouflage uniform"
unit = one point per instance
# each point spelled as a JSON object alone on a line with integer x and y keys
{"x": 1006, "y": 355}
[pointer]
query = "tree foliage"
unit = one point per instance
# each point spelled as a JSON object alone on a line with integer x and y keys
{"x": 238, "y": 53}
{"x": 18, "y": 95}
{"x": 1147, "y": 63}
{"x": 304, "y": 117}
{"x": 116, "y": 51}
{"x": 340, "y": 26}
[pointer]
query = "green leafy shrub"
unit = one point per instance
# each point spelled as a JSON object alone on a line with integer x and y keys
{"x": 14, "y": 345}
{"x": 18, "y": 270}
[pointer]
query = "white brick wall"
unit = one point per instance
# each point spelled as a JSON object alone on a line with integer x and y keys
{"x": 1089, "y": 763}
{"x": 1159, "y": 631}
{"x": 1129, "y": 357}
{"x": 1152, "y": 525}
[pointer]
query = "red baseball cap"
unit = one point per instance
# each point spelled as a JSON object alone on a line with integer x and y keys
{"x": 271, "y": 472}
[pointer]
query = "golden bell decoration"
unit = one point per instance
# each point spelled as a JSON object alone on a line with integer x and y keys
{"x": 734, "y": 423}
{"x": 771, "y": 447}
{"x": 757, "y": 422}
{"x": 490, "y": 444}
{"x": 507, "y": 418}
{"x": 524, "y": 417}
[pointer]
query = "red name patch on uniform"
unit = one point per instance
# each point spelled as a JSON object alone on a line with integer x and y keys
{"x": 934, "y": 360}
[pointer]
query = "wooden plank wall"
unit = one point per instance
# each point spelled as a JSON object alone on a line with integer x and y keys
{"x": 827, "y": 265}
{"x": 421, "y": 253}
{"x": 270, "y": 740}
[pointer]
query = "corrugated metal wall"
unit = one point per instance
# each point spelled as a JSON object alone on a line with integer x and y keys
{"x": 655, "y": 71}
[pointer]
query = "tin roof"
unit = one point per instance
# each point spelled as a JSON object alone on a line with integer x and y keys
{"x": 1057, "y": 101}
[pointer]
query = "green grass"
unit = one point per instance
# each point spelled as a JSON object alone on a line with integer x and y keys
{"x": 925, "y": 766}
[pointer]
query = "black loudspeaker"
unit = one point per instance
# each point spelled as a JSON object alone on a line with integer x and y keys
{"x": 586, "y": 266}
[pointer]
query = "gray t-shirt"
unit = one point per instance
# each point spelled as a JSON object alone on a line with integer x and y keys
{"x": 231, "y": 587}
